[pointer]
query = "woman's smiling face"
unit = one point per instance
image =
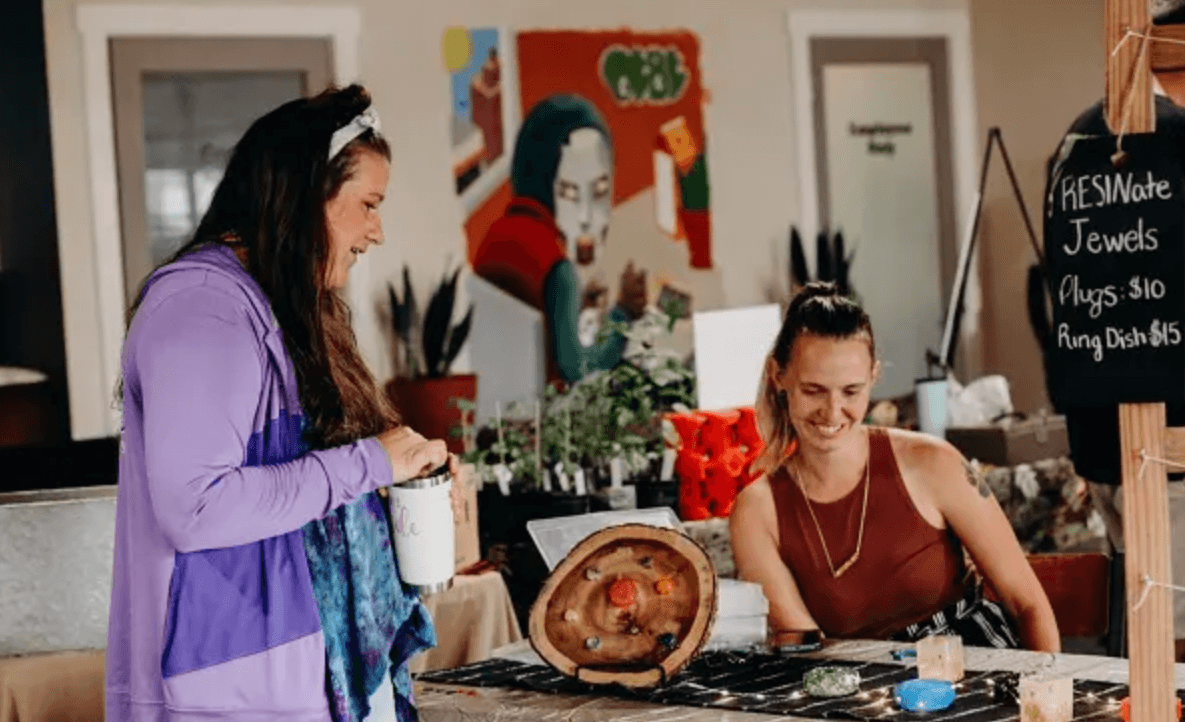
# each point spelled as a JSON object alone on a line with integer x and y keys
{"x": 352, "y": 217}
{"x": 828, "y": 383}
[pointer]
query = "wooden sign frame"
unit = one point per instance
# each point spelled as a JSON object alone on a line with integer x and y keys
{"x": 1144, "y": 438}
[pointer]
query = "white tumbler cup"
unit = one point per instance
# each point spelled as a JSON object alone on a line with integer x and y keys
{"x": 422, "y": 522}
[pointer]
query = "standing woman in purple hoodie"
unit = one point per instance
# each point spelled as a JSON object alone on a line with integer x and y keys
{"x": 254, "y": 575}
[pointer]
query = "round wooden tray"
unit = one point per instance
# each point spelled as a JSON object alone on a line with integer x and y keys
{"x": 631, "y": 605}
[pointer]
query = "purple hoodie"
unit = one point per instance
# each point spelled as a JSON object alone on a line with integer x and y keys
{"x": 212, "y": 607}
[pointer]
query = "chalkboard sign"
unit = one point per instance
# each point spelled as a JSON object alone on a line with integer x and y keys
{"x": 1115, "y": 249}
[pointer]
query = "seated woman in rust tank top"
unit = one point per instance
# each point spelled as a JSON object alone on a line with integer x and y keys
{"x": 859, "y": 531}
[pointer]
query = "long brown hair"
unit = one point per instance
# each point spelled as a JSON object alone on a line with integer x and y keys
{"x": 271, "y": 204}
{"x": 818, "y": 309}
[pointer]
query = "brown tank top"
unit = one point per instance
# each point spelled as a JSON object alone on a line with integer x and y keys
{"x": 907, "y": 569}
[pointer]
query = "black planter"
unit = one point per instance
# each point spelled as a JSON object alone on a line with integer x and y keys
{"x": 550, "y": 504}
{"x": 500, "y": 518}
{"x": 653, "y": 493}
{"x": 502, "y": 523}
{"x": 525, "y": 573}
{"x": 503, "y": 519}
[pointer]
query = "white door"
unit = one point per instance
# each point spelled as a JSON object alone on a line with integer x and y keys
{"x": 882, "y": 194}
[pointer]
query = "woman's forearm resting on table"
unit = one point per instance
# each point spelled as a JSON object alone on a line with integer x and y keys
{"x": 1037, "y": 627}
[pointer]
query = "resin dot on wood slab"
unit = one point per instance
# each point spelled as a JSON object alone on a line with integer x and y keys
{"x": 623, "y": 593}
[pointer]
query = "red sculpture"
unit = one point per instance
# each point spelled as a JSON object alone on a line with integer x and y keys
{"x": 714, "y": 459}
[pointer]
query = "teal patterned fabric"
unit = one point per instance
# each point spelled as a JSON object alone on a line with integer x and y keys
{"x": 372, "y": 623}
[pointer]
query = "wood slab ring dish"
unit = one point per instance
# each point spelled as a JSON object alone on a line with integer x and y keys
{"x": 631, "y": 605}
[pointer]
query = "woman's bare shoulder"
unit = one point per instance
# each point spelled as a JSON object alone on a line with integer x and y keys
{"x": 754, "y": 503}
{"x": 918, "y": 446}
{"x": 923, "y": 453}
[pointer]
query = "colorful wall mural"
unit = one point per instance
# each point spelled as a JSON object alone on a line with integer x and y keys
{"x": 586, "y": 197}
{"x": 471, "y": 57}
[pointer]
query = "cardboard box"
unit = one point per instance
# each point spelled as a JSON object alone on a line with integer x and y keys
{"x": 1015, "y": 442}
{"x": 467, "y": 547}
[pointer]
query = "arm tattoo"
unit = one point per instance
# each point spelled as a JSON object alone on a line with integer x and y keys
{"x": 976, "y": 479}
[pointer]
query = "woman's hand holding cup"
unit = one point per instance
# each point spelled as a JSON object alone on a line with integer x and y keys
{"x": 411, "y": 454}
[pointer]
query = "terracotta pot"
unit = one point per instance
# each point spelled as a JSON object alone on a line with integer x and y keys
{"x": 427, "y": 405}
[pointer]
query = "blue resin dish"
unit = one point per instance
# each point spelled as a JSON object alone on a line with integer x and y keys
{"x": 924, "y": 695}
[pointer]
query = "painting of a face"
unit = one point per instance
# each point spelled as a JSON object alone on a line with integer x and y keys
{"x": 584, "y": 193}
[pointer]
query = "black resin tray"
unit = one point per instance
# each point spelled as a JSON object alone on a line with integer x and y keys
{"x": 772, "y": 684}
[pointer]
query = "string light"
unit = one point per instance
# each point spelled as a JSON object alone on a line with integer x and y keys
{"x": 880, "y": 701}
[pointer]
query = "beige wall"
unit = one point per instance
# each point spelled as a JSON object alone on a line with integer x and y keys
{"x": 1038, "y": 64}
{"x": 745, "y": 63}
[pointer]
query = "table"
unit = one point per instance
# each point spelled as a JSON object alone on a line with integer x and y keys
{"x": 441, "y": 703}
{"x": 472, "y": 619}
{"x": 59, "y": 687}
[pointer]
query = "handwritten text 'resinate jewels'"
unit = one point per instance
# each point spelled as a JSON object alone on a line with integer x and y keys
{"x": 1082, "y": 193}
{"x": 1080, "y": 198}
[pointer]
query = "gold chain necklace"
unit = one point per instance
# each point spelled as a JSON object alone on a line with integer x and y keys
{"x": 835, "y": 573}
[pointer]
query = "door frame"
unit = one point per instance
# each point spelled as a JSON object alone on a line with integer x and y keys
{"x": 953, "y": 26}
{"x": 132, "y": 58}
{"x": 98, "y": 24}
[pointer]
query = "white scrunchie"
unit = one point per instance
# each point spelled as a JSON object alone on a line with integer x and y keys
{"x": 366, "y": 120}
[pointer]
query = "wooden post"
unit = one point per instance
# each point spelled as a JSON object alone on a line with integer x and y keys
{"x": 1147, "y": 549}
{"x": 1142, "y": 426}
{"x": 1127, "y": 69}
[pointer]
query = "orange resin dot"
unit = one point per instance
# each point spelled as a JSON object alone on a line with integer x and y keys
{"x": 664, "y": 586}
{"x": 622, "y": 593}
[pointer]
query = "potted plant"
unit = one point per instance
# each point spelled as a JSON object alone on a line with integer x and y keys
{"x": 526, "y": 451}
{"x": 513, "y": 446}
{"x": 831, "y": 262}
{"x": 621, "y": 409}
{"x": 424, "y": 390}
